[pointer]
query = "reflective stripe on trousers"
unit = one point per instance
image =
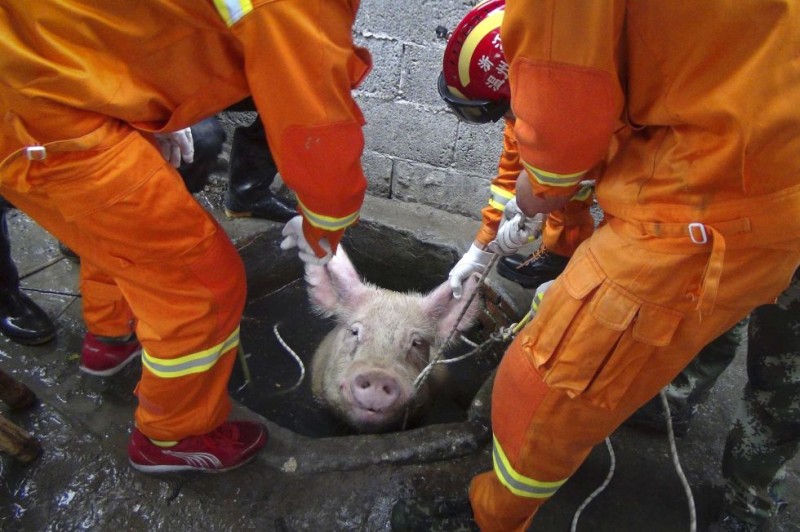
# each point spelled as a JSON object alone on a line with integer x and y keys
{"x": 170, "y": 368}
{"x": 516, "y": 482}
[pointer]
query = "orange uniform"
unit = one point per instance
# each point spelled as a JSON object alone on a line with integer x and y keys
{"x": 85, "y": 85}
{"x": 702, "y": 200}
{"x": 563, "y": 230}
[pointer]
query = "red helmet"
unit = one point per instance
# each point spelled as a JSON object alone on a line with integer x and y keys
{"x": 474, "y": 78}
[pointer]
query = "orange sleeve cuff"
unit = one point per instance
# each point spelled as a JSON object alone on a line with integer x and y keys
{"x": 315, "y": 234}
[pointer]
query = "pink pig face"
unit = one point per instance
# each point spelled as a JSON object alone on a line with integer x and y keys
{"x": 364, "y": 370}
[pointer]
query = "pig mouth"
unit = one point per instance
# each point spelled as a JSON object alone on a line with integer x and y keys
{"x": 374, "y": 412}
{"x": 373, "y": 420}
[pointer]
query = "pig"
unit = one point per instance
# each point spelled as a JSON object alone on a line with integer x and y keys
{"x": 364, "y": 369}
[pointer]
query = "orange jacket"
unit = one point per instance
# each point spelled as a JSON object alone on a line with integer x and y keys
{"x": 709, "y": 94}
{"x": 163, "y": 65}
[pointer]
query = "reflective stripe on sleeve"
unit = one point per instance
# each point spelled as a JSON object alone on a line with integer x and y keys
{"x": 518, "y": 484}
{"x": 552, "y": 179}
{"x": 233, "y": 10}
{"x": 170, "y": 368}
{"x": 499, "y": 197}
{"x": 583, "y": 193}
{"x": 327, "y": 223}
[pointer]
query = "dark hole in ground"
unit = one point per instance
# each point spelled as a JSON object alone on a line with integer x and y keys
{"x": 283, "y": 300}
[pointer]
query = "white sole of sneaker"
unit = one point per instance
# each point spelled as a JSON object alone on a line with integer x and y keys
{"x": 116, "y": 369}
{"x": 179, "y": 469}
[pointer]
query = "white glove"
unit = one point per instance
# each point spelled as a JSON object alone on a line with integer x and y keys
{"x": 515, "y": 233}
{"x": 294, "y": 237}
{"x": 473, "y": 261}
{"x": 177, "y": 145}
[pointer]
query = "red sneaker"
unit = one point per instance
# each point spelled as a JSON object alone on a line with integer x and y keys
{"x": 227, "y": 447}
{"x": 102, "y": 357}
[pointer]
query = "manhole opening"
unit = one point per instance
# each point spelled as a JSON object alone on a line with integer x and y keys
{"x": 382, "y": 258}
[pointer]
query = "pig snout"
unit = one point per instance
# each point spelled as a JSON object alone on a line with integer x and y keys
{"x": 375, "y": 390}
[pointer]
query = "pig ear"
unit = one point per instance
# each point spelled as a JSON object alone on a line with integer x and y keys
{"x": 335, "y": 286}
{"x": 444, "y": 309}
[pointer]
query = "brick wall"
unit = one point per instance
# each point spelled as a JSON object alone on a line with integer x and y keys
{"x": 416, "y": 150}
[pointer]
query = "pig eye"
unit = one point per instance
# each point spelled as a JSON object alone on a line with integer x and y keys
{"x": 418, "y": 342}
{"x": 356, "y": 330}
{"x": 419, "y": 352}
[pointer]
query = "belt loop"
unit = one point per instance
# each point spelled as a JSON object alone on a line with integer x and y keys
{"x": 36, "y": 153}
{"x": 709, "y": 285}
{"x": 697, "y": 232}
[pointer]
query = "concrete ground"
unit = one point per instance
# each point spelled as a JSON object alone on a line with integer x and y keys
{"x": 83, "y": 480}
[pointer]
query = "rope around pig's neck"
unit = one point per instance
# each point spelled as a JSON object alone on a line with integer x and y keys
{"x": 436, "y": 359}
{"x": 503, "y": 335}
{"x": 440, "y": 351}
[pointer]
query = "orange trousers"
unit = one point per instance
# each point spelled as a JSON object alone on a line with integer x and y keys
{"x": 564, "y": 230}
{"x": 613, "y": 329}
{"x": 151, "y": 257}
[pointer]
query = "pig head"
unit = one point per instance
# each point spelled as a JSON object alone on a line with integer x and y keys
{"x": 364, "y": 369}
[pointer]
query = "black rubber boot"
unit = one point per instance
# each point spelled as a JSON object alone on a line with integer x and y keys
{"x": 541, "y": 266}
{"x": 209, "y": 138}
{"x": 252, "y": 171}
{"x": 21, "y": 320}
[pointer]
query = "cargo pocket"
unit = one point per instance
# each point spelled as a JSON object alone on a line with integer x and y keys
{"x": 593, "y": 337}
{"x": 653, "y": 327}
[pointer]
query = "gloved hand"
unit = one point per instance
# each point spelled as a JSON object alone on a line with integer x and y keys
{"x": 177, "y": 145}
{"x": 294, "y": 237}
{"x": 474, "y": 261}
{"x": 515, "y": 233}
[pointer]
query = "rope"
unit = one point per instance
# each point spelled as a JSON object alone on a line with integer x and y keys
{"x": 436, "y": 359}
{"x": 611, "y": 468}
{"x": 240, "y": 354}
{"x": 440, "y": 352}
{"x": 673, "y": 451}
{"x": 296, "y": 358}
{"x": 246, "y": 369}
{"x": 503, "y": 335}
